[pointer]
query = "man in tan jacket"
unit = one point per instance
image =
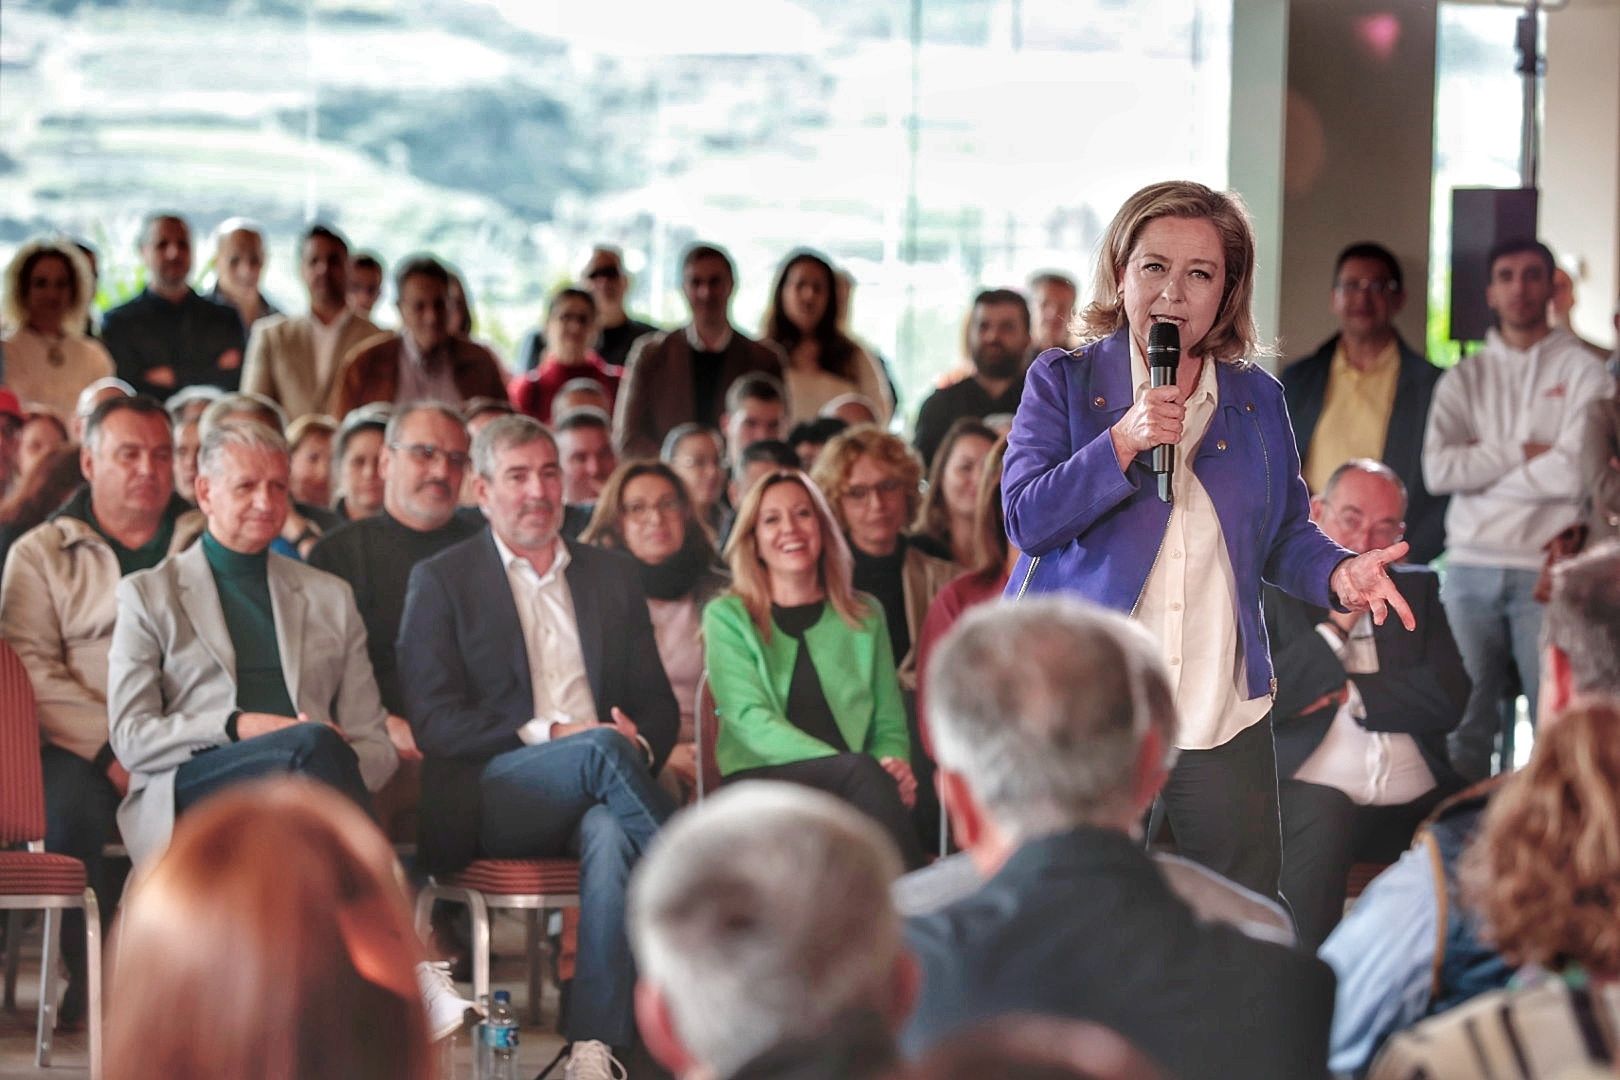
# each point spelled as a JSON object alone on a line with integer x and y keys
{"x": 57, "y": 611}
{"x": 295, "y": 361}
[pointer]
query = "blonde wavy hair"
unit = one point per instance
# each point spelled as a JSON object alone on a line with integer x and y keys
{"x": 751, "y": 582}
{"x": 1233, "y": 335}
{"x": 22, "y": 264}
{"x": 838, "y": 459}
{"x": 1545, "y": 871}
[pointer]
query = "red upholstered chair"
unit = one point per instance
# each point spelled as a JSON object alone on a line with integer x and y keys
{"x": 534, "y": 886}
{"x": 32, "y": 878}
{"x": 705, "y": 733}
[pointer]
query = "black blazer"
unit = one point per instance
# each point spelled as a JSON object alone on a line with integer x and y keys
{"x": 1081, "y": 924}
{"x": 1420, "y": 688}
{"x": 1305, "y": 389}
{"x": 464, "y": 673}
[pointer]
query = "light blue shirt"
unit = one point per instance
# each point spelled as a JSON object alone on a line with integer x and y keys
{"x": 1383, "y": 954}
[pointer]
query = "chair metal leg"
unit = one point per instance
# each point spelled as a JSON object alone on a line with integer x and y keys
{"x": 480, "y": 944}
{"x": 14, "y": 932}
{"x": 47, "y": 992}
{"x": 92, "y": 951}
{"x": 532, "y": 951}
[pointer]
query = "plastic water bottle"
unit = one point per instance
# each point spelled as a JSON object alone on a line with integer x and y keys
{"x": 498, "y": 1041}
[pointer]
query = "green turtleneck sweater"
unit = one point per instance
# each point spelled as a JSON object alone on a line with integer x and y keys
{"x": 244, "y": 596}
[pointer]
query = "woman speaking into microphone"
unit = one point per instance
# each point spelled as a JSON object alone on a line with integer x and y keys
{"x": 1083, "y": 504}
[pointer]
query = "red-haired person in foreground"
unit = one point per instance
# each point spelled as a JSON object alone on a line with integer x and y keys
{"x": 273, "y": 939}
{"x": 1545, "y": 876}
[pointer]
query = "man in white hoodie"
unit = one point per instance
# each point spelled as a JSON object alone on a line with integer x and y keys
{"x": 1502, "y": 439}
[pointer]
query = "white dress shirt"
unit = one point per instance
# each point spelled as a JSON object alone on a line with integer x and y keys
{"x": 324, "y": 336}
{"x": 1374, "y": 768}
{"x": 562, "y": 692}
{"x": 1190, "y": 600}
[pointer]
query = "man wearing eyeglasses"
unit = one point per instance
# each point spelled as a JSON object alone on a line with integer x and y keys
{"x": 1362, "y": 711}
{"x": 1365, "y": 393}
{"x": 424, "y": 461}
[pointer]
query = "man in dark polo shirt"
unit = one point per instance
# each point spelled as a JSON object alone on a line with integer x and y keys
{"x": 424, "y": 462}
{"x": 998, "y": 339}
{"x": 168, "y": 337}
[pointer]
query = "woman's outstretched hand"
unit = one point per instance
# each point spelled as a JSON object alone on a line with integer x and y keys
{"x": 1362, "y": 584}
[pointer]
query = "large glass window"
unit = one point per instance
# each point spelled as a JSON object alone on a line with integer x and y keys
{"x": 928, "y": 146}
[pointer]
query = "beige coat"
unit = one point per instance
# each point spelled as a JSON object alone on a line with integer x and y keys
{"x": 57, "y": 612}
{"x": 282, "y": 364}
{"x": 171, "y": 682}
{"x": 922, "y": 576}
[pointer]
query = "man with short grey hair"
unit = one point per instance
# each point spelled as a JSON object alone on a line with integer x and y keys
{"x": 765, "y": 937}
{"x": 1054, "y": 728}
{"x": 529, "y": 674}
{"x": 229, "y": 662}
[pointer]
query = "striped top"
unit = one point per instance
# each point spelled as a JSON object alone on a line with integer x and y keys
{"x": 1555, "y": 1028}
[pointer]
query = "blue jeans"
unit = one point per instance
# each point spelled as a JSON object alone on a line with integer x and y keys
{"x": 312, "y": 750}
{"x": 80, "y": 818}
{"x": 1497, "y": 623}
{"x": 591, "y": 797}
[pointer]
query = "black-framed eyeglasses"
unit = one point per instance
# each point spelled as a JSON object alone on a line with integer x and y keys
{"x": 668, "y": 506}
{"x": 424, "y": 454}
{"x": 883, "y": 488}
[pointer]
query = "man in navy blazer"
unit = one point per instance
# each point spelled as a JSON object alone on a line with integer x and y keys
{"x": 1054, "y": 728}
{"x": 532, "y": 682}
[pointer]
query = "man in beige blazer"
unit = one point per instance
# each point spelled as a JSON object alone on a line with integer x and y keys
{"x": 295, "y": 361}
{"x": 229, "y": 662}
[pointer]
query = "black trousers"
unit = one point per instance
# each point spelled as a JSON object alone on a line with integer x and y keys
{"x": 80, "y": 809}
{"x": 859, "y": 780}
{"x": 1222, "y": 807}
{"x": 1324, "y": 834}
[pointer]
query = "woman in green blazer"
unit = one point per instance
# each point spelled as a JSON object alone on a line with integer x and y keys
{"x": 800, "y": 664}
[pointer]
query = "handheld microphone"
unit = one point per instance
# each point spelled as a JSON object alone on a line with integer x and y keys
{"x": 1163, "y": 357}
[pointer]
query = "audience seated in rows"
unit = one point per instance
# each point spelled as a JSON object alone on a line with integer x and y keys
{"x": 571, "y": 318}
{"x": 1502, "y": 440}
{"x": 57, "y": 610}
{"x": 425, "y": 455}
{"x": 614, "y": 330}
{"x": 48, "y": 357}
{"x": 309, "y": 440}
{"x": 998, "y": 336}
{"x": 185, "y": 415}
{"x": 1410, "y": 947}
{"x": 425, "y": 361}
{"x": 948, "y": 515}
{"x": 585, "y": 441}
{"x": 822, "y": 361}
{"x": 359, "y": 451}
{"x": 645, "y": 511}
{"x": 800, "y": 663}
{"x": 95, "y": 394}
{"x": 1054, "y": 727}
{"x": 168, "y": 337}
{"x": 365, "y": 287}
{"x": 304, "y": 523}
{"x": 756, "y": 410}
{"x": 228, "y": 662}
{"x": 523, "y": 660}
{"x": 1361, "y": 712}
{"x": 272, "y": 940}
{"x": 682, "y": 375}
{"x": 239, "y": 258}
{"x": 696, "y": 454}
{"x": 1366, "y": 393}
{"x": 766, "y": 941}
{"x": 1544, "y": 876}
{"x": 294, "y": 360}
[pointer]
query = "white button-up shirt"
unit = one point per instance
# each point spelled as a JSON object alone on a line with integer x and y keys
{"x": 1374, "y": 768}
{"x": 562, "y": 692}
{"x": 1190, "y": 600}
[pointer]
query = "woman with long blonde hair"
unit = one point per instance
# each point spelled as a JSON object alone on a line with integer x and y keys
{"x": 800, "y": 663}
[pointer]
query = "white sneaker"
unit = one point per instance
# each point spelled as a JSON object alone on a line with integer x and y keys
{"x": 448, "y": 1012}
{"x": 592, "y": 1060}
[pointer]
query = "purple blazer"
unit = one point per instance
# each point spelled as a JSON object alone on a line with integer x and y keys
{"x": 1085, "y": 527}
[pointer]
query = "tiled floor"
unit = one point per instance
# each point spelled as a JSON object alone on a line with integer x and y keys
{"x": 70, "y": 1056}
